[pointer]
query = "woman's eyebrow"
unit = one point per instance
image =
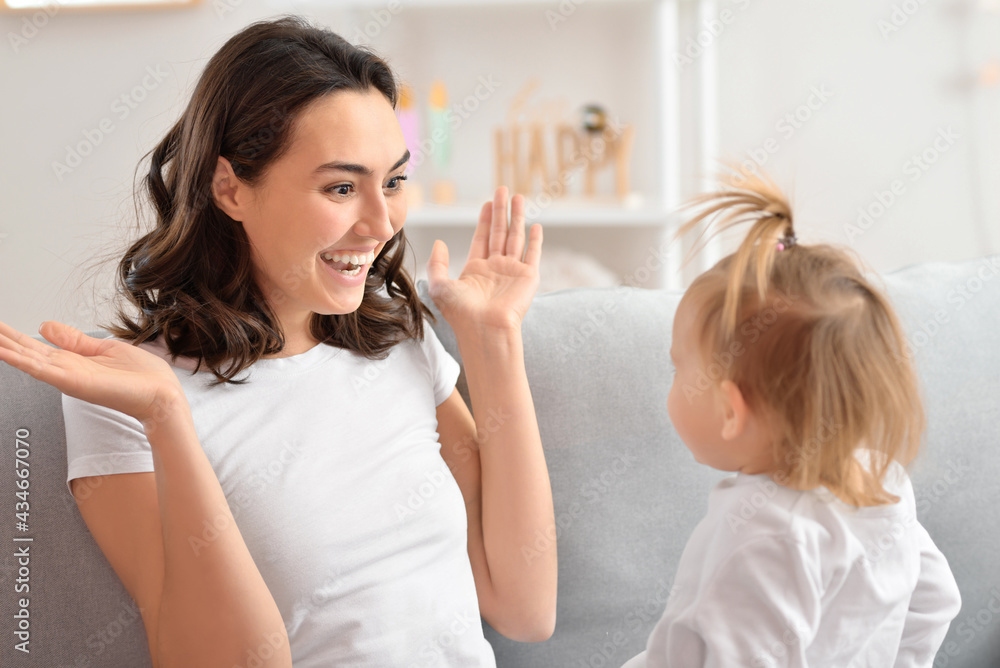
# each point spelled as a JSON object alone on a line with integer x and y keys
{"x": 355, "y": 168}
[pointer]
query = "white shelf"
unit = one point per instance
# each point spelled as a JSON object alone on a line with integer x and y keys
{"x": 557, "y": 216}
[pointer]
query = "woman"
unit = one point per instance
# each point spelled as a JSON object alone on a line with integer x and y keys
{"x": 277, "y": 341}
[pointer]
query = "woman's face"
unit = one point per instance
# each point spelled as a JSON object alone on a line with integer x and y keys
{"x": 327, "y": 207}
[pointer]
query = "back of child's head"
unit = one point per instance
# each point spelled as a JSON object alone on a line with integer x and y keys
{"x": 815, "y": 349}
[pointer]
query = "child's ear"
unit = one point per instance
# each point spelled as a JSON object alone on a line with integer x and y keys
{"x": 734, "y": 410}
{"x": 229, "y": 193}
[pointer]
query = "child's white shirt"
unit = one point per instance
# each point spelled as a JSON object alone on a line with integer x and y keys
{"x": 777, "y": 577}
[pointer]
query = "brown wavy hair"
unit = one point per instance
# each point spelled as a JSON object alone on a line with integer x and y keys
{"x": 811, "y": 343}
{"x": 191, "y": 277}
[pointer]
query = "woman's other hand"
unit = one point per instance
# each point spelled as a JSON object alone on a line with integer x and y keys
{"x": 102, "y": 371}
{"x": 496, "y": 286}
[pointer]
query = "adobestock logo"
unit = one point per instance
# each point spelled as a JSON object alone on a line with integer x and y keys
{"x": 711, "y": 29}
{"x": 787, "y": 126}
{"x": 380, "y": 20}
{"x": 30, "y": 25}
{"x": 899, "y": 17}
{"x": 121, "y": 108}
{"x": 914, "y": 168}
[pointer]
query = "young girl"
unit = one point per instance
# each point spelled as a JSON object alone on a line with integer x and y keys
{"x": 271, "y": 453}
{"x": 792, "y": 371}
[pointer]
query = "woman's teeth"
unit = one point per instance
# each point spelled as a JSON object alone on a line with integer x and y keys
{"x": 364, "y": 258}
{"x": 354, "y": 262}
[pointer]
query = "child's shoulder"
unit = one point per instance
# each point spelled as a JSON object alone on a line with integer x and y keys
{"x": 755, "y": 506}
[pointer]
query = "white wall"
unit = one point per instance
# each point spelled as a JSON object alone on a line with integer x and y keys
{"x": 889, "y": 99}
{"x": 896, "y": 82}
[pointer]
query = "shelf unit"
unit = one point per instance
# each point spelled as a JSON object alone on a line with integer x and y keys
{"x": 433, "y": 215}
{"x": 616, "y": 53}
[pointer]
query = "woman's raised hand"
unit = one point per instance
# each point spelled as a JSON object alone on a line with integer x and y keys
{"x": 102, "y": 371}
{"x": 496, "y": 286}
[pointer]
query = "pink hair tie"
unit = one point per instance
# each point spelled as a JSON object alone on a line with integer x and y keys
{"x": 786, "y": 242}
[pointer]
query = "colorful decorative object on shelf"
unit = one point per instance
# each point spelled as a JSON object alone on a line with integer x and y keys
{"x": 594, "y": 118}
{"x": 409, "y": 122}
{"x": 443, "y": 189}
{"x": 537, "y": 155}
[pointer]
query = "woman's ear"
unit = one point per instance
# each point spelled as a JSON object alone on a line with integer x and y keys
{"x": 734, "y": 410}
{"x": 229, "y": 193}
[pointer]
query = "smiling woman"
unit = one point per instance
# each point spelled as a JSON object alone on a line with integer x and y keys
{"x": 288, "y": 173}
{"x": 309, "y": 208}
{"x": 269, "y": 325}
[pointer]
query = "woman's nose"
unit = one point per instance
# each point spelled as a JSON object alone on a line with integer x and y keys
{"x": 374, "y": 220}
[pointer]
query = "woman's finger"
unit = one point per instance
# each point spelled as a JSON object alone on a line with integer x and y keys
{"x": 70, "y": 338}
{"x": 515, "y": 235}
{"x": 38, "y": 364}
{"x": 533, "y": 256}
{"x": 498, "y": 226}
{"x": 437, "y": 265}
{"x": 14, "y": 340}
{"x": 480, "y": 248}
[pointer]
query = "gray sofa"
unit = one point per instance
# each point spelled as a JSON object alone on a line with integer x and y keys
{"x": 627, "y": 493}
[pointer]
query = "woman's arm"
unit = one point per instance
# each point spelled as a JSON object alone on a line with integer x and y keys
{"x": 204, "y": 601}
{"x": 497, "y": 458}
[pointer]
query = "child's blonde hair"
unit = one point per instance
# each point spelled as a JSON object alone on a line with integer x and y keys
{"x": 815, "y": 349}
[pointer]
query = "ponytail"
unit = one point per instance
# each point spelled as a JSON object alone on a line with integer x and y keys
{"x": 757, "y": 200}
{"x": 815, "y": 349}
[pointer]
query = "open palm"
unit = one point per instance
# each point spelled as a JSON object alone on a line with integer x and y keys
{"x": 496, "y": 286}
{"x": 102, "y": 371}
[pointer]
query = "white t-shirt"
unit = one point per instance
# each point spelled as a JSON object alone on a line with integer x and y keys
{"x": 331, "y": 466}
{"x": 778, "y": 577}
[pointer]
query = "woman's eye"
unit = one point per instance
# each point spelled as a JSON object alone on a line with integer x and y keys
{"x": 343, "y": 189}
{"x": 396, "y": 182}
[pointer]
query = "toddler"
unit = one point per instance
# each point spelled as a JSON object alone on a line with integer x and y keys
{"x": 792, "y": 372}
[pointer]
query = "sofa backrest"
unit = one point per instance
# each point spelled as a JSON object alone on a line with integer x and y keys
{"x": 627, "y": 493}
